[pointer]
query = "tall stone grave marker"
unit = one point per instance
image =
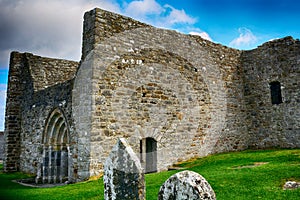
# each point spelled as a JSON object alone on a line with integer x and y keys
{"x": 123, "y": 174}
{"x": 186, "y": 185}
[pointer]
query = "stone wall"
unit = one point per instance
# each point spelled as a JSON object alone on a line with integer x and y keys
{"x": 183, "y": 91}
{"x": 188, "y": 94}
{"x": 273, "y": 125}
{"x": 100, "y": 24}
{"x": 39, "y": 92}
{"x": 13, "y": 117}
{"x": 36, "y": 114}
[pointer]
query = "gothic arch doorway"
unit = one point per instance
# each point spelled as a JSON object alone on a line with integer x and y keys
{"x": 148, "y": 153}
{"x": 56, "y": 140}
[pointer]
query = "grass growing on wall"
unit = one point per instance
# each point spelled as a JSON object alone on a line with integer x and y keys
{"x": 241, "y": 175}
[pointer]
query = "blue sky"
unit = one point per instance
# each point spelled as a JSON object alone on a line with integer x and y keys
{"x": 53, "y": 28}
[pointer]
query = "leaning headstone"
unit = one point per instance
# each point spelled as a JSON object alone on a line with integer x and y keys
{"x": 123, "y": 174}
{"x": 186, "y": 185}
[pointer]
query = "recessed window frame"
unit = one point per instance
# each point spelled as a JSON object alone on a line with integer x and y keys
{"x": 276, "y": 94}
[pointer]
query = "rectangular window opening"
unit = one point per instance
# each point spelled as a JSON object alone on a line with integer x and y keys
{"x": 276, "y": 97}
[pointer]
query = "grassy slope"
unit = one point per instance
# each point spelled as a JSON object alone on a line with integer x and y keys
{"x": 231, "y": 175}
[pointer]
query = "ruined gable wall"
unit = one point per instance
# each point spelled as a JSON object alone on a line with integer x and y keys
{"x": 271, "y": 125}
{"x": 46, "y": 72}
{"x": 13, "y": 117}
{"x": 39, "y": 93}
{"x": 100, "y": 24}
{"x": 52, "y": 82}
{"x": 183, "y": 91}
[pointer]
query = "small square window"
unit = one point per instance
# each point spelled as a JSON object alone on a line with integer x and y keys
{"x": 276, "y": 97}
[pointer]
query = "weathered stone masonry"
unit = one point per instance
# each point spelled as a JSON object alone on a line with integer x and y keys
{"x": 273, "y": 125}
{"x": 36, "y": 87}
{"x": 172, "y": 96}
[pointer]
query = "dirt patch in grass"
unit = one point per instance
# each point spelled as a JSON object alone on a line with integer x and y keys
{"x": 255, "y": 164}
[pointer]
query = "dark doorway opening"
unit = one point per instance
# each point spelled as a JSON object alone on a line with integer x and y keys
{"x": 148, "y": 150}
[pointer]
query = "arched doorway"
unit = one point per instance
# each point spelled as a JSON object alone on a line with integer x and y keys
{"x": 56, "y": 140}
{"x": 148, "y": 154}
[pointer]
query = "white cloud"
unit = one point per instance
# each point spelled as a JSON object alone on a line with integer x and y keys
{"x": 202, "y": 34}
{"x": 143, "y": 8}
{"x": 150, "y": 11}
{"x": 47, "y": 28}
{"x": 2, "y": 97}
{"x": 245, "y": 39}
{"x": 2, "y": 107}
{"x": 178, "y": 16}
{"x": 270, "y": 40}
{"x": 3, "y": 87}
{"x": 54, "y": 28}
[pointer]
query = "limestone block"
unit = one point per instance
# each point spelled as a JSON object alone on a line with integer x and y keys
{"x": 123, "y": 174}
{"x": 186, "y": 185}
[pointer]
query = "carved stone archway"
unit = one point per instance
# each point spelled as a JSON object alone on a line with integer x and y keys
{"x": 56, "y": 139}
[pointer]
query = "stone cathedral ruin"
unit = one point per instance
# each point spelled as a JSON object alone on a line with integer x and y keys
{"x": 172, "y": 96}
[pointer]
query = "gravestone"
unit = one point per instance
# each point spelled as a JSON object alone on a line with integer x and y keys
{"x": 123, "y": 174}
{"x": 186, "y": 185}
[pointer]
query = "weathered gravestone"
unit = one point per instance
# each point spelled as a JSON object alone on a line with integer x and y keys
{"x": 186, "y": 185}
{"x": 123, "y": 174}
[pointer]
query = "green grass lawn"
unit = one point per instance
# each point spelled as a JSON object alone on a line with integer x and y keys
{"x": 241, "y": 175}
